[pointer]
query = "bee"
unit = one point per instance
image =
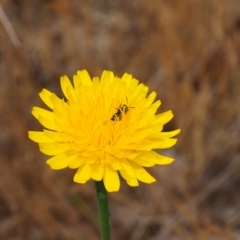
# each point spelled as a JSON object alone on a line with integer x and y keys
{"x": 121, "y": 110}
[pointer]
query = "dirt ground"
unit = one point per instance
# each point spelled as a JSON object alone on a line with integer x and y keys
{"x": 187, "y": 51}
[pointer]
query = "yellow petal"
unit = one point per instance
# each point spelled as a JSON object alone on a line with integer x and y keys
{"x": 54, "y": 136}
{"x": 140, "y": 91}
{"x": 148, "y": 145}
{"x": 163, "y": 118}
{"x": 126, "y": 77}
{"x": 151, "y": 110}
{"x": 143, "y": 162}
{"x": 107, "y": 77}
{"x": 45, "y": 96}
{"x": 51, "y": 149}
{"x": 150, "y": 99}
{"x": 111, "y": 180}
{"x": 37, "y": 111}
{"x": 59, "y": 161}
{"x": 83, "y": 174}
{"x": 132, "y": 139}
{"x": 97, "y": 171}
{"x": 61, "y": 117}
{"x": 66, "y": 86}
{"x": 46, "y": 118}
{"x": 156, "y": 158}
{"x": 133, "y": 182}
{"x": 128, "y": 168}
{"x": 96, "y": 82}
{"x": 59, "y": 104}
{"x": 76, "y": 162}
{"x": 165, "y": 143}
{"x": 50, "y": 124}
{"x": 77, "y": 83}
{"x": 132, "y": 83}
{"x": 141, "y": 174}
{"x": 126, "y": 176}
{"x": 167, "y": 134}
{"x": 39, "y": 137}
{"x": 85, "y": 78}
{"x": 115, "y": 164}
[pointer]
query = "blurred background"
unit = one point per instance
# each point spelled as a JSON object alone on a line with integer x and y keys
{"x": 187, "y": 51}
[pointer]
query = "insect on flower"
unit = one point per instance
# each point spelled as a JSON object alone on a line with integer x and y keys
{"x": 122, "y": 109}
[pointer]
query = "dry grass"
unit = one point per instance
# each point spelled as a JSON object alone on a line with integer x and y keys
{"x": 188, "y": 51}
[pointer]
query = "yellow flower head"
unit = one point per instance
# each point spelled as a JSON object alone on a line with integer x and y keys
{"x": 102, "y": 127}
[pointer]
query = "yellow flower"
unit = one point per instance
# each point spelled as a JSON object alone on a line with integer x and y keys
{"x": 102, "y": 127}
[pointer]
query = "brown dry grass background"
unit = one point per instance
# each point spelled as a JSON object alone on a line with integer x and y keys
{"x": 189, "y": 52}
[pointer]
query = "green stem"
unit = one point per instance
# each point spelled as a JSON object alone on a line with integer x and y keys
{"x": 102, "y": 200}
